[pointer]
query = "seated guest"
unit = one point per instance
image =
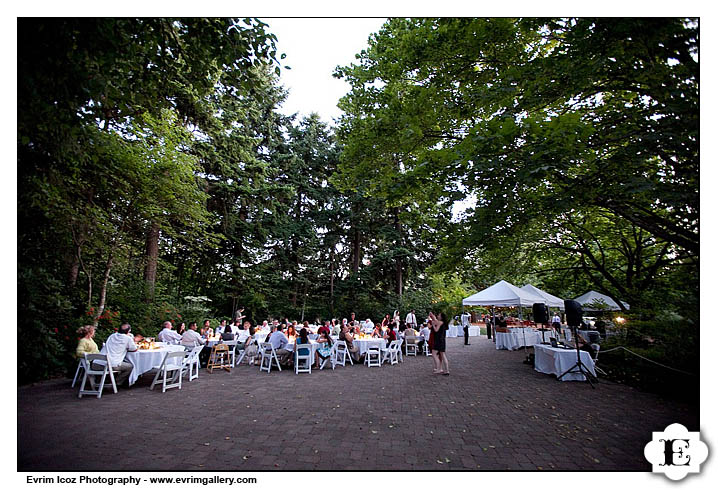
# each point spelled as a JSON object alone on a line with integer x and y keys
{"x": 227, "y": 334}
{"x": 279, "y": 341}
{"x": 243, "y": 333}
{"x": 208, "y": 332}
{"x": 377, "y": 332}
{"x": 409, "y": 336}
{"x": 167, "y": 335}
{"x": 221, "y": 328}
{"x": 368, "y": 326}
{"x": 291, "y": 333}
{"x": 325, "y": 328}
{"x": 237, "y": 330}
{"x": 117, "y": 346}
{"x": 424, "y": 333}
{"x": 252, "y": 350}
{"x": 325, "y": 348}
{"x": 302, "y": 340}
{"x": 336, "y": 328}
{"x": 353, "y": 349}
{"x": 182, "y": 328}
{"x": 191, "y": 338}
{"x": 390, "y": 335}
{"x": 86, "y": 345}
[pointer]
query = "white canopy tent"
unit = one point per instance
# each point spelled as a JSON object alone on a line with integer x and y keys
{"x": 503, "y": 293}
{"x": 550, "y": 300}
{"x": 593, "y": 296}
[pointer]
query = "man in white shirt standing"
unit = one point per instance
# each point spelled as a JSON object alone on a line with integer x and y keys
{"x": 556, "y": 323}
{"x": 167, "y": 335}
{"x": 411, "y": 319}
{"x": 117, "y": 346}
{"x": 465, "y": 319}
{"x": 279, "y": 341}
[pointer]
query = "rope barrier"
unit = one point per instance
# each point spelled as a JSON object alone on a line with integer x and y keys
{"x": 646, "y": 359}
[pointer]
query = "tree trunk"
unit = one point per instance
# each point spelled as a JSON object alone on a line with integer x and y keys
{"x": 75, "y": 262}
{"x": 399, "y": 279}
{"x": 357, "y": 251}
{"x": 103, "y": 290}
{"x": 74, "y": 271}
{"x": 399, "y": 272}
{"x": 152, "y": 253}
{"x": 331, "y": 281}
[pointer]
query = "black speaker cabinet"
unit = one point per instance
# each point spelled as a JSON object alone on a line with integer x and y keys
{"x": 540, "y": 311}
{"x": 574, "y": 312}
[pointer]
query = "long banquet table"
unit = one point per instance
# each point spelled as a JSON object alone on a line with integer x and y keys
{"x": 458, "y": 331}
{"x": 555, "y": 360}
{"x": 514, "y": 339}
{"x": 144, "y": 360}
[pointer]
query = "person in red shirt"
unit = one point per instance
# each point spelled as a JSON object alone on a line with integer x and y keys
{"x": 324, "y": 328}
{"x": 390, "y": 335}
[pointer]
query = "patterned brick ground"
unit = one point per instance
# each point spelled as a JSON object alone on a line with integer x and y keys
{"x": 492, "y": 413}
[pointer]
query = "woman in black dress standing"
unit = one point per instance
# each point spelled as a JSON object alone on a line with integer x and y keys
{"x": 439, "y": 326}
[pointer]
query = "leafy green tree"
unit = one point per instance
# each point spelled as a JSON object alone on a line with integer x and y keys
{"x": 532, "y": 116}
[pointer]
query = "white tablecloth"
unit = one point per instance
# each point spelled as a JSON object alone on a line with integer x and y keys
{"x": 553, "y": 360}
{"x": 145, "y": 360}
{"x": 514, "y": 339}
{"x": 458, "y": 331}
{"x": 364, "y": 344}
{"x": 312, "y": 343}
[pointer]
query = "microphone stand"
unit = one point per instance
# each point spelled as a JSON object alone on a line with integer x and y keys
{"x": 579, "y": 367}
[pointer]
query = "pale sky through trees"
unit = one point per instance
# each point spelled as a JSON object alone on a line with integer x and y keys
{"x": 314, "y": 47}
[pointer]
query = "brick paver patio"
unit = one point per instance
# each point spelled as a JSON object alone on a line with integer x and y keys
{"x": 492, "y": 413}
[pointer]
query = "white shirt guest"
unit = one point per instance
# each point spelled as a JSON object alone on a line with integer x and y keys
{"x": 279, "y": 341}
{"x": 410, "y": 319}
{"x": 167, "y": 335}
{"x": 191, "y": 338}
{"x": 116, "y": 347}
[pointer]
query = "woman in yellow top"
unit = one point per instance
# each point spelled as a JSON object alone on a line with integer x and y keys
{"x": 86, "y": 345}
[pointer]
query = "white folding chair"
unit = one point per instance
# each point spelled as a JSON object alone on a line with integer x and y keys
{"x": 342, "y": 353}
{"x": 191, "y": 362}
{"x": 597, "y": 348}
{"x": 303, "y": 361}
{"x": 81, "y": 366}
{"x": 400, "y": 342}
{"x": 331, "y": 359}
{"x": 90, "y": 370}
{"x": 390, "y": 354}
{"x": 373, "y": 357}
{"x": 173, "y": 362}
{"x": 232, "y": 350}
{"x": 427, "y": 352}
{"x": 243, "y": 352}
{"x": 411, "y": 349}
{"x": 269, "y": 355}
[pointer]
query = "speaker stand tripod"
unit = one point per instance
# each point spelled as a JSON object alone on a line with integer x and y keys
{"x": 543, "y": 334}
{"x": 579, "y": 366}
